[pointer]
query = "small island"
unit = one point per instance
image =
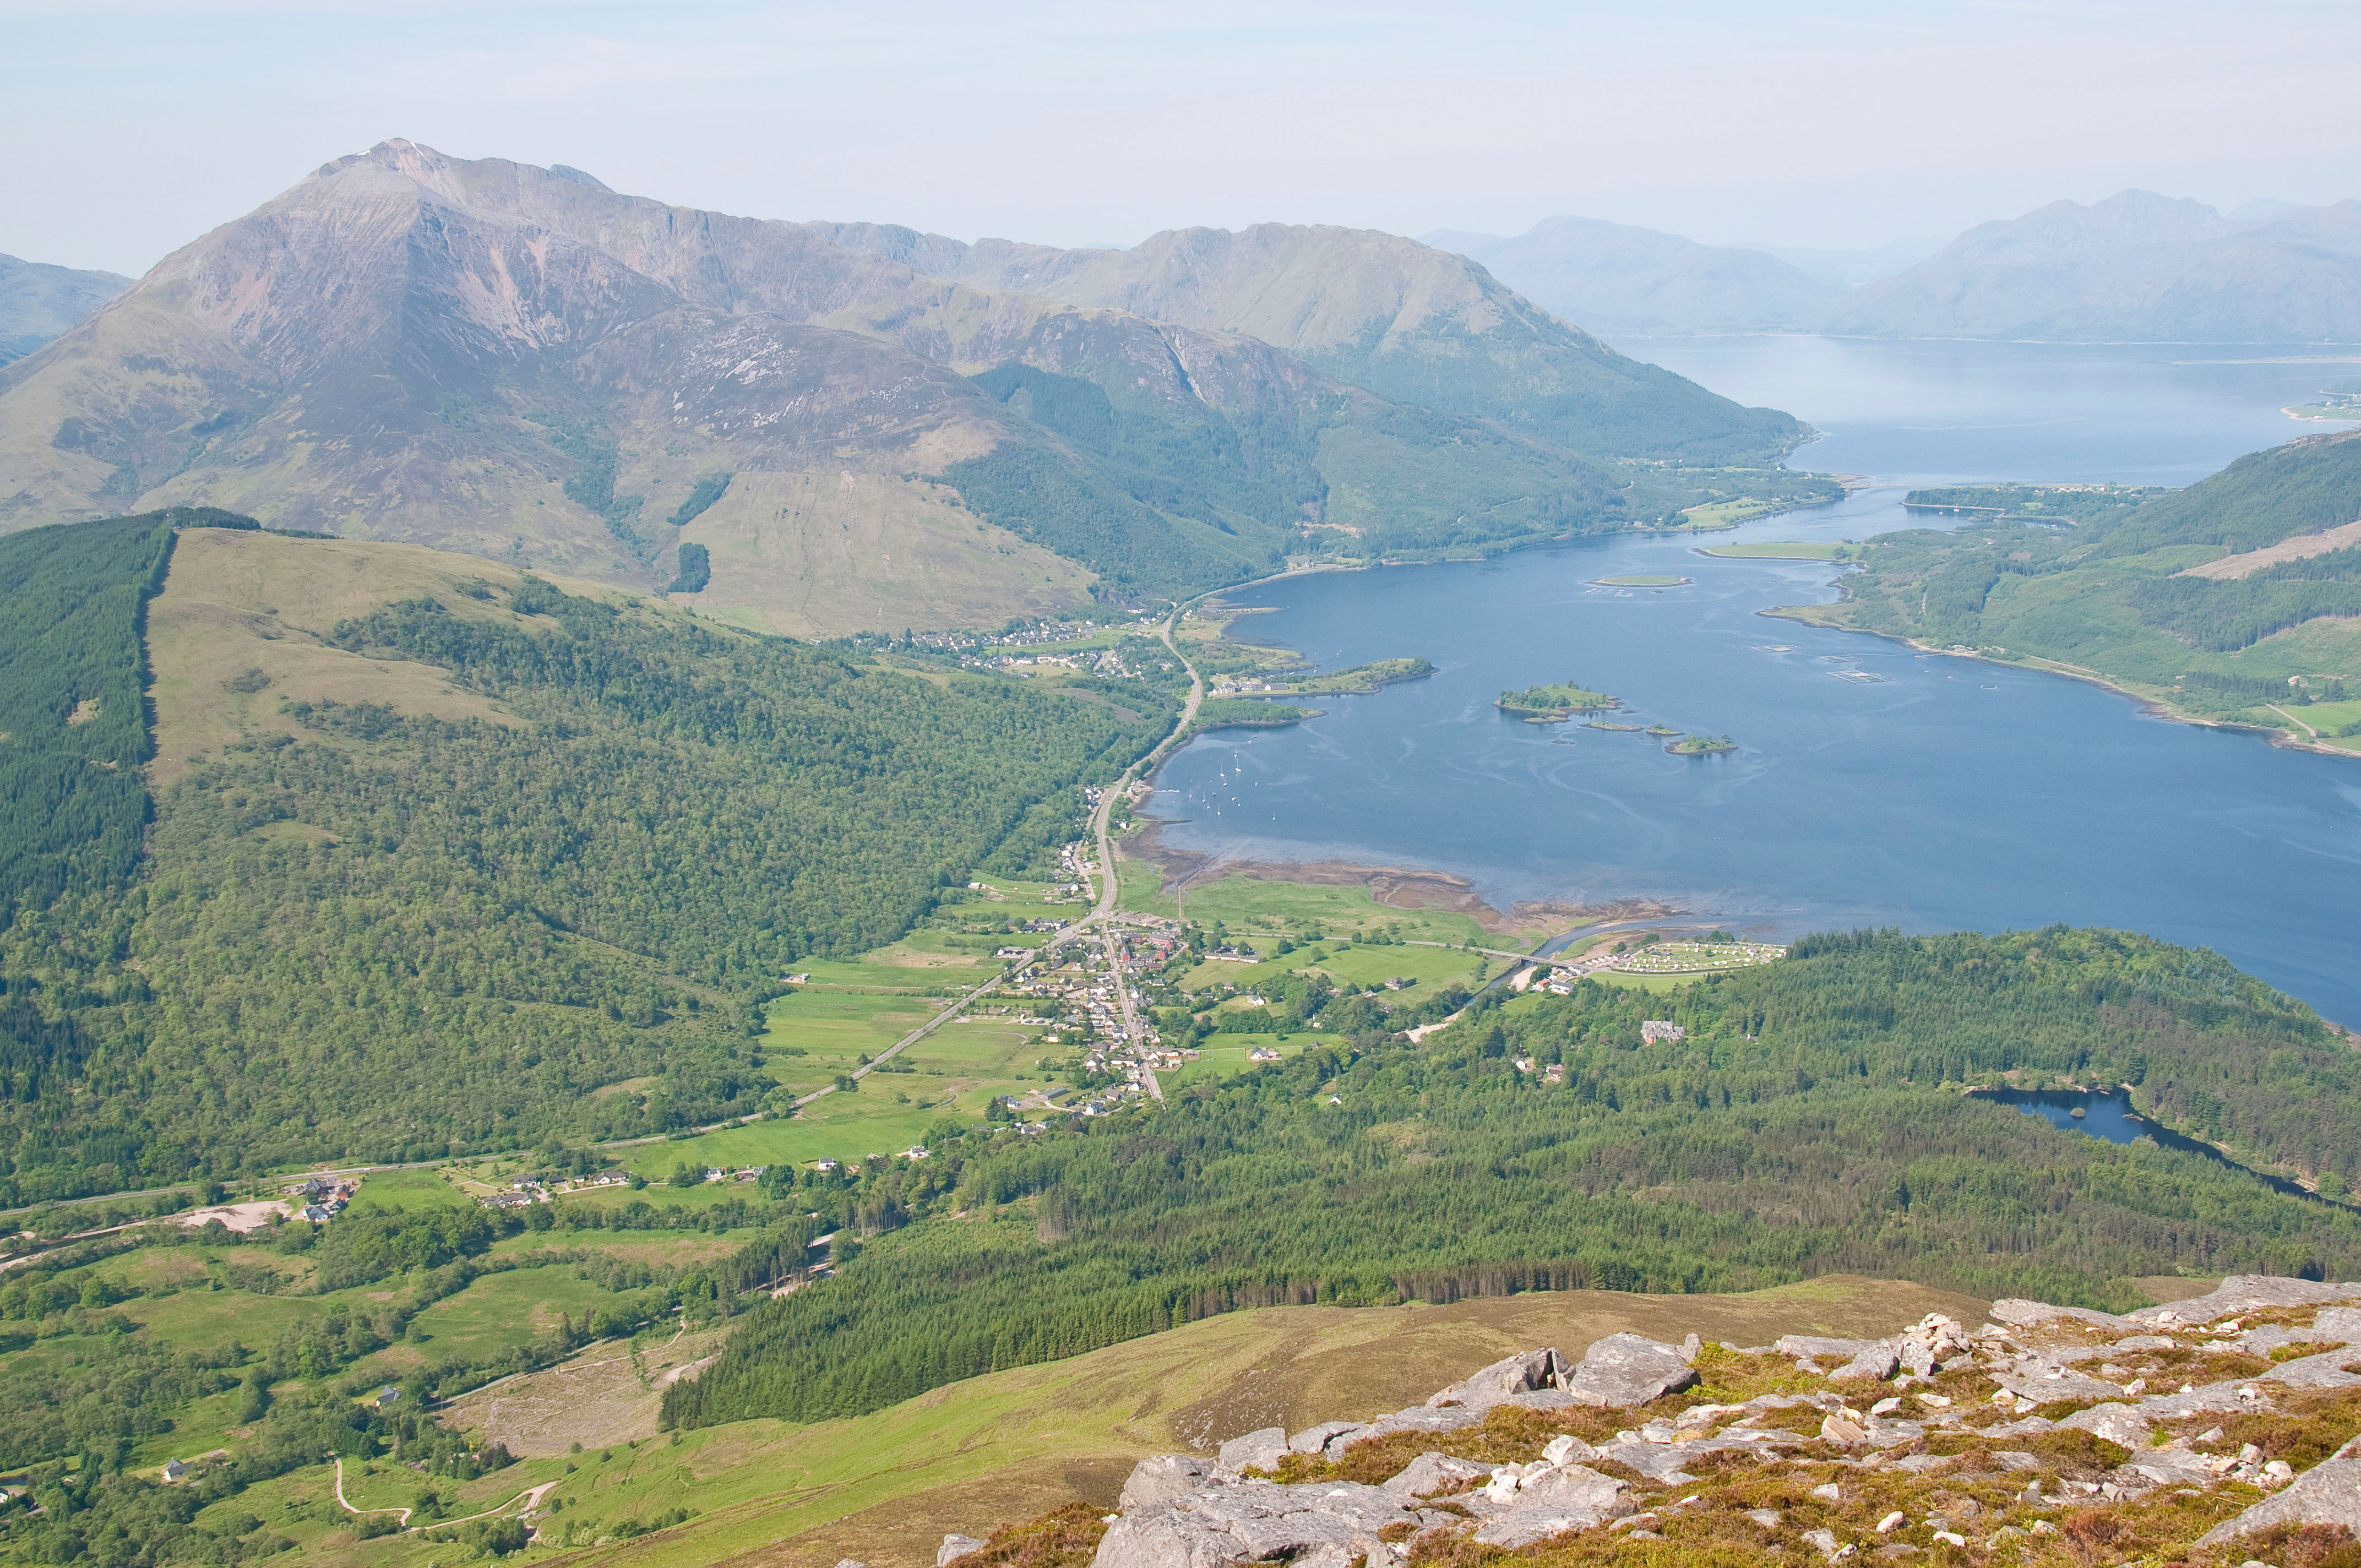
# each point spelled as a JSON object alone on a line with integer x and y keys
{"x": 1640, "y": 580}
{"x": 1551, "y": 704}
{"x": 1661, "y": 730}
{"x": 1701, "y": 745}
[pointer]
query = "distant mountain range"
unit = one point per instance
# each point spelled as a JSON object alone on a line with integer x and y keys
{"x": 2135, "y": 268}
{"x": 520, "y": 362}
{"x": 1619, "y": 278}
{"x": 37, "y": 301}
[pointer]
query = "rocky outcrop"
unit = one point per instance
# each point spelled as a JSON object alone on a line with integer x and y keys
{"x": 1261, "y": 1450}
{"x": 1875, "y": 1412}
{"x": 1557, "y": 1499}
{"x": 2327, "y": 1494}
{"x": 1626, "y": 1369}
{"x": 1237, "y": 1522}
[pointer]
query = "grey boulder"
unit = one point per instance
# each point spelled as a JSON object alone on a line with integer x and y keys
{"x": 1261, "y": 1450}
{"x": 1518, "y": 1373}
{"x": 955, "y": 1547}
{"x": 2047, "y": 1385}
{"x": 1427, "y": 1418}
{"x": 1433, "y": 1473}
{"x": 1794, "y": 1346}
{"x": 2338, "y": 1325}
{"x": 1553, "y": 1502}
{"x": 2118, "y": 1425}
{"x": 2322, "y": 1371}
{"x": 2329, "y": 1492}
{"x": 1875, "y": 1364}
{"x": 1627, "y": 1369}
{"x": 1164, "y": 1476}
{"x": 1252, "y": 1522}
{"x": 1311, "y": 1440}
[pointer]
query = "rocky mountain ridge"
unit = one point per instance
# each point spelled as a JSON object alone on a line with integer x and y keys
{"x": 517, "y": 362}
{"x": 1394, "y": 317}
{"x": 2210, "y": 1428}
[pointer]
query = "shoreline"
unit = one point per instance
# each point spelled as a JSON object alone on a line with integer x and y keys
{"x": 1391, "y": 887}
{"x": 2153, "y": 707}
{"x": 1851, "y": 483}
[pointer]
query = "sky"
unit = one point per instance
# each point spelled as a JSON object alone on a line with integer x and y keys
{"x": 132, "y": 127}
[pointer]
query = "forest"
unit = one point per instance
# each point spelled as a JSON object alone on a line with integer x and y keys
{"x": 390, "y": 936}
{"x": 1811, "y": 1121}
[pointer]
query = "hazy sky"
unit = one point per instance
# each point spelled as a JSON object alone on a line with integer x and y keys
{"x": 130, "y": 127}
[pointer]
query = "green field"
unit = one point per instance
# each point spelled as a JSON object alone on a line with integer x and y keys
{"x": 1252, "y": 907}
{"x": 1729, "y": 514}
{"x": 498, "y": 1312}
{"x": 1641, "y": 580}
{"x": 1353, "y": 966}
{"x": 1770, "y": 551}
{"x": 407, "y": 1189}
{"x": 1224, "y": 1055}
{"x": 958, "y": 1070}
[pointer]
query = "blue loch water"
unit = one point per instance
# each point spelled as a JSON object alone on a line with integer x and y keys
{"x": 1872, "y": 785}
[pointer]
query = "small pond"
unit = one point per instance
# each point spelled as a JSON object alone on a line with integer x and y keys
{"x": 2111, "y": 1116}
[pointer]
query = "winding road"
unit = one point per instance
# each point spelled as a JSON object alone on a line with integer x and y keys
{"x": 530, "y": 1496}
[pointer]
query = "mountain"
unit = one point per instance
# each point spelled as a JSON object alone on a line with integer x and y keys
{"x": 1848, "y": 269}
{"x": 2135, "y": 268}
{"x": 1390, "y": 315}
{"x": 37, "y": 301}
{"x": 2237, "y": 600}
{"x": 1614, "y": 278}
{"x": 523, "y": 364}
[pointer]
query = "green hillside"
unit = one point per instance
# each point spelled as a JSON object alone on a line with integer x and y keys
{"x": 2235, "y": 600}
{"x": 1166, "y": 497}
{"x": 1811, "y": 1122}
{"x": 387, "y": 920}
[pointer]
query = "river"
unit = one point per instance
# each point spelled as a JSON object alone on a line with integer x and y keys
{"x": 1872, "y": 785}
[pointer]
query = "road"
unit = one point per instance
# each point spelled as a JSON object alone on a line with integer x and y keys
{"x": 530, "y": 1496}
{"x": 1103, "y": 908}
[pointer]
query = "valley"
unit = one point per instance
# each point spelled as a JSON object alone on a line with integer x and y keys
{"x": 679, "y": 888}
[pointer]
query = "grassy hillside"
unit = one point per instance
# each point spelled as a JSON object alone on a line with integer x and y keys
{"x": 2238, "y": 599}
{"x": 196, "y": 1341}
{"x": 441, "y": 853}
{"x": 1811, "y": 1122}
